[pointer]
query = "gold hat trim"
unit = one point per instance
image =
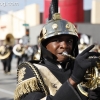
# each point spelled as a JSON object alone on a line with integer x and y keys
{"x": 55, "y": 26}
{"x": 71, "y": 28}
{"x": 56, "y": 16}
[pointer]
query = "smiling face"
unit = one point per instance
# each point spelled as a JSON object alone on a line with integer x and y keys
{"x": 58, "y": 44}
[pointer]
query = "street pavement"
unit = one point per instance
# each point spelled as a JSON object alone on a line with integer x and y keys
{"x": 8, "y": 82}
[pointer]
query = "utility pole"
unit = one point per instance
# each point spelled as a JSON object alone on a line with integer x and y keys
{"x": 26, "y": 37}
{"x": 25, "y": 11}
{"x": 25, "y": 14}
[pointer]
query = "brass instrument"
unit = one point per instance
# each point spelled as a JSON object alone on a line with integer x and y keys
{"x": 66, "y": 54}
{"x": 9, "y": 40}
{"x": 18, "y": 49}
{"x": 92, "y": 77}
{"x": 4, "y": 52}
{"x": 4, "y": 49}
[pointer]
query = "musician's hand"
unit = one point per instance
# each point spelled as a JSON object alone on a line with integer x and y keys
{"x": 94, "y": 94}
{"x": 82, "y": 63}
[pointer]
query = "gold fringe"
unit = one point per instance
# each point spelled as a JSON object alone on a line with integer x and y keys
{"x": 26, "y": 86}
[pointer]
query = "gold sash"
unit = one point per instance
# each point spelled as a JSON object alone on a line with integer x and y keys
{"x": 50, "y": 80}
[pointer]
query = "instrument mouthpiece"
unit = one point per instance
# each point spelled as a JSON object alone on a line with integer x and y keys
{"x": 66, "y": 54}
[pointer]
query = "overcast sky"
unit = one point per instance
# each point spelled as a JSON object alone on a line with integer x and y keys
{"x": 6, "y": 4}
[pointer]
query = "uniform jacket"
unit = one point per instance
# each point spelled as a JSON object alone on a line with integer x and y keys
{"x": 52, "y": 83}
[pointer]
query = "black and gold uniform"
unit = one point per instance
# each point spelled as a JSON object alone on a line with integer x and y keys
{"x": 32, "y": 86}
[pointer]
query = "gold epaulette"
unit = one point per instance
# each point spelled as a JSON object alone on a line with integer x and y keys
{"x": 25, "y": 87}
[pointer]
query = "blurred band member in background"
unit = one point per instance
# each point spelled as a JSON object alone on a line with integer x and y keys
{"x": 6, "y": 55}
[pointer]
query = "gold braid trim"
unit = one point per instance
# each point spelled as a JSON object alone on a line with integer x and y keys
{"x": 39, "y": 78}
{"x": 26, "y": 86}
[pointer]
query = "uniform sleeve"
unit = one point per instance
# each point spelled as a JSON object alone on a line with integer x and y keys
{"x": 27, "y": 82}
{"x": 66, "y": 92}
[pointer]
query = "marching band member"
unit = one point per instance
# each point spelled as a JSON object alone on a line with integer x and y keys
{"x": 56, "y": 76}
